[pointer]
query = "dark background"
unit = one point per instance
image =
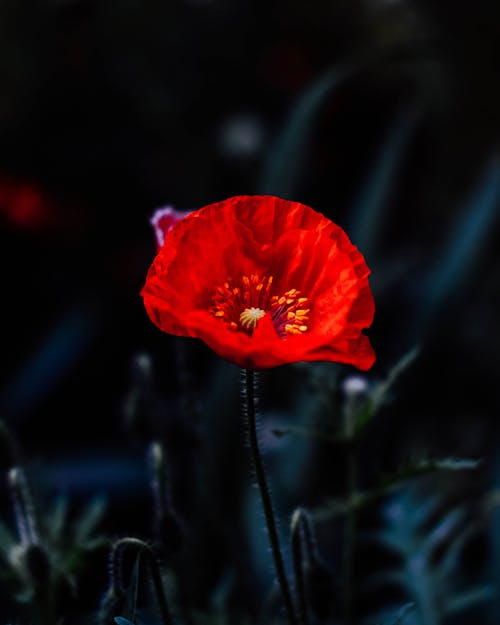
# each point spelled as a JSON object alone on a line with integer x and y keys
{"x": 109, "y": 110}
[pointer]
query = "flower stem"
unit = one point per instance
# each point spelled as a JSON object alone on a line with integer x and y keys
{"x": 350, "y": 534}
{"x": 248, "y": 393}
{"x": 141, "y": 548}
{"x": 301, "y": 559}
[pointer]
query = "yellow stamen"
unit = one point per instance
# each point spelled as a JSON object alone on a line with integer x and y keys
{"x": 242, "y": 303}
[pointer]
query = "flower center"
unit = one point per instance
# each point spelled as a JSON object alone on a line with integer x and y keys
{"x": 242, "y": 303}
{"x": 250, "y": 316}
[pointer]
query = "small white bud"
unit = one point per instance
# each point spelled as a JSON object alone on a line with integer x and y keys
{"x": 355, "y": 385}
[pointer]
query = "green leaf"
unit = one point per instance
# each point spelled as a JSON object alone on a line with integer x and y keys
{"x": 378, "y": 394}
{"x": 56, "y": 520}
{"x": 330, "y": 509}
{"x": 287, "y": 156}
{"x": 470, "y": 598}
{"x": 367, "y": 211}
{"x": 89, "y": 519}
{"x": 401, "y": 615}
{"x": 306, "y": 432}
{"x": 119, "y": 620}
{"x": 335, "y": 507}
{"x": 473, "y": 229}
{"x": 7, "y": 538}
{"x": 423, "y": 467}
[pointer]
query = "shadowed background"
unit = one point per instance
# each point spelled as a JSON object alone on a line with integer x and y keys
{"x": 381, "y": 114}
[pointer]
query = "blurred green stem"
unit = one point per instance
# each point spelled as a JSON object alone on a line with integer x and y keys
{"x": 349, "y": 536}
{"x": 301, "y": 552}
{"x": 248, "y": 394}
{"x": 44, "y": 602}
{"x": 350, "y": 517}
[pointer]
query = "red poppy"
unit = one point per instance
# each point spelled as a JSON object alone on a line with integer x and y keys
{"x": 263, "y": 282}
{"x": 24, "y": 205}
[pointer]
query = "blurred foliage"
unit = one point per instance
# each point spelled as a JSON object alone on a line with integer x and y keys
{"x": 429, "y": 536}
{"x": 382, "y": 114}
{"x": 428, "y": 525}
{"x": 42, "y": 561}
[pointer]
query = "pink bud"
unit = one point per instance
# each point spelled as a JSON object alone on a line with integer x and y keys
{"x": 162, "y": 220}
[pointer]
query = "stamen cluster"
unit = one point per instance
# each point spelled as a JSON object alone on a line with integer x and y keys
{"x": 241, "y": 304}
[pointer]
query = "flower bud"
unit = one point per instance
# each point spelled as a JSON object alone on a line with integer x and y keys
{"x": 355, "y": 388}
{"x": 32, "y": 563}
{"x": 355, "y": 385}
{"x": 24, "y": 509}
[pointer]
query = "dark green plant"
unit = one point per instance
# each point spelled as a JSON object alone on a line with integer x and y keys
{"x": 122, "y": 597}
{"x": 41, "y": 560}
{"x": 428, "y": 533}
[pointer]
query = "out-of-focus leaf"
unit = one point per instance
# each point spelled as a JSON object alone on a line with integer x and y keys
{"x": 25, "y": 596}
{"x": 369, "y": 407}
{"x": 406, "y": 609}
{"x": 306, "y": 432}
{"x": 425, "y": 466}
{"x": 288, "y": 154}
{"x": 427, "y": 535}
{"x": 7, "y": 538}
{"x": 448, "y": 525}
{"x": 379, "y": 392}
{"x": 59, "y": 351}
{"x": 330, "y": 509}
{"x": 89, "y": 519}
{"x": 391, "y": 615}
{"x": 55, "y": 520}
{"x": 395, "y": 616}
{"x": 365, "y": 415}
{"x": 465, "y": 242}
{"x": 367, "y": 212}
{"x": 222, "y": 590}
{"x": 335, "y": 507}
{"x": 119, "y": 620}
{"x": 469, "y": 599}
{"x": 451, "y": 559}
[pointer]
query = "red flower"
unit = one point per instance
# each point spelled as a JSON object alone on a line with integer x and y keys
{"x": 23, "y": 204}
{"x": 263, "y": 282}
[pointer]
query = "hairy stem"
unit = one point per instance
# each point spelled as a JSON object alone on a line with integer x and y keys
{"x": 141, "y": 548}
{"x": 24, "y": 508}
{"x": 251, "y": 417}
